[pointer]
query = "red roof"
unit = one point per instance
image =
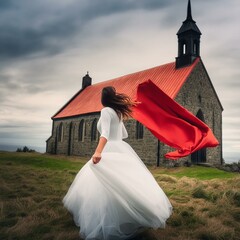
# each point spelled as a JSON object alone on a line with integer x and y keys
{"x": 166, "y": 77}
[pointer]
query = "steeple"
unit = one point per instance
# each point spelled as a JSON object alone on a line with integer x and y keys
{"x": 188, "y": 40}
{"x": 189, "y": 12}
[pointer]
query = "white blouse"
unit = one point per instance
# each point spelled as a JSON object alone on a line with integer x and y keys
{"x": 110, "y": 126}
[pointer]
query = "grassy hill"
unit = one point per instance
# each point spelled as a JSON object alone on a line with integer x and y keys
{"x": 206, "y": 201}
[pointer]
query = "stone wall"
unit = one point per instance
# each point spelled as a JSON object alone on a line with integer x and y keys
{"x": 197, "y": 93}
{"x": 145, "y": 148}
{"x": 81, "y": 148}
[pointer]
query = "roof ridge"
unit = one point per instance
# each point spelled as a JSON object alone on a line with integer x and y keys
{"x": 133, "y": 73}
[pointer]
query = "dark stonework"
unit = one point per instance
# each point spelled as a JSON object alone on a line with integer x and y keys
{"x": 200, "y": 94}
{"x": 146, "y": 148}
{"x": 196, "y": 94}
{"x": 81, "y": 148}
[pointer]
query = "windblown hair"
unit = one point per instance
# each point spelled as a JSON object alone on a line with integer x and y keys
{"x": 120, "y": 102}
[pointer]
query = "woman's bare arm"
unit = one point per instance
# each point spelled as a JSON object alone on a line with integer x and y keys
{"x": 97, "y": 155}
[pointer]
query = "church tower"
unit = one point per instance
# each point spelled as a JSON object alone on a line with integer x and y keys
{"x": 188, "y": 41}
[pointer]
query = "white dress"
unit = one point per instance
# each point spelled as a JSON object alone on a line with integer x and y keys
{"x": 113, "y": 199}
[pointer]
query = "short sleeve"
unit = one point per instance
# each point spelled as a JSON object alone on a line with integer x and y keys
{"x": 124, "y": 131}
{"x": 105, "y": 123}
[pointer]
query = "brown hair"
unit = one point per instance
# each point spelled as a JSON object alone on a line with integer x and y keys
{"x": 120, "y": 102}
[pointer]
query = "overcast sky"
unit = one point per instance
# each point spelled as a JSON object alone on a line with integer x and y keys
{"x": 47, "y": 46}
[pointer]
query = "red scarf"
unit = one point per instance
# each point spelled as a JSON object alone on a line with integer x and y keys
{"x": 170, "y": 122}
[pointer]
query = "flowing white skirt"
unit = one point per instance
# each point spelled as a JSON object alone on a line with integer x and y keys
{"x": 116, "y": 197}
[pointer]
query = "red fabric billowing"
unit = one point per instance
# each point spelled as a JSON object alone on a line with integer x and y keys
{"x": 170, "y": 122}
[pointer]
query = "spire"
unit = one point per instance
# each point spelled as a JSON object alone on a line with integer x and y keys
{"x": 189, "y": 24}
{"x": 188, "y": 40}
{"x": 189, "y": 11}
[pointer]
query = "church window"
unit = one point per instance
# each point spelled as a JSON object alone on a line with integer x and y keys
{"x": 194, "y": 48}
{"x": 199, "y": 99}
{"x": 200, "y": 115}
{"x": 94, "y": 133}
{"x": 139, "y": 130}
{"x": 60, "y": 132}
{"x": 184, "y": 48}
{"x": 81, "y": 131}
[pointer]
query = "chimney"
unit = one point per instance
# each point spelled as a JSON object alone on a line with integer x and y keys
{"x": 86, "y": 81}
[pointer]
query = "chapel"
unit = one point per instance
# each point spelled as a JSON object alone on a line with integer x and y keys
{"x": 74, "y": 126}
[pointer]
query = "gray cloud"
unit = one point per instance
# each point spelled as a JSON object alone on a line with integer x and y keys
{"x": 16, "y": 43}
{"x": 237, "y": 140}
{"x": 234, "y": 82}
{"x": 7, "y": 126}
{"x": 23, "y": 34}
{"x": 5, "y": 4}
{"x": 15, "y": 136}
{"x": 8, "y": 83}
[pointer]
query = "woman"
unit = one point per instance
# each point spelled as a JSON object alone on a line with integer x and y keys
{"x": 114, "y": 194}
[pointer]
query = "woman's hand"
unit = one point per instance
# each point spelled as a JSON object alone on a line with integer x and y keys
{"x": 96, "y": 157}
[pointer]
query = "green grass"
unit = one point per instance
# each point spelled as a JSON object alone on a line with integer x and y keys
{"x": 40, "y": 161}
{"x": 206, "y": 201}
{"x": 198, "y": 172}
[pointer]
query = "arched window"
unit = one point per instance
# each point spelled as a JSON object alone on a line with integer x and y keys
{"x": 200, "y": 155}
{"x": 70, "y": 138}
{"x": 196, "y": 47}
{"x": 81, "y": 131}
{"x": 199, "y": 99}
{"x": 139, "y": 130}
{"x": 60, "y": 132}
{"x": 94, "y": 134}
{"x": 184, "y": 48}
{"x": 200, "y": 115}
